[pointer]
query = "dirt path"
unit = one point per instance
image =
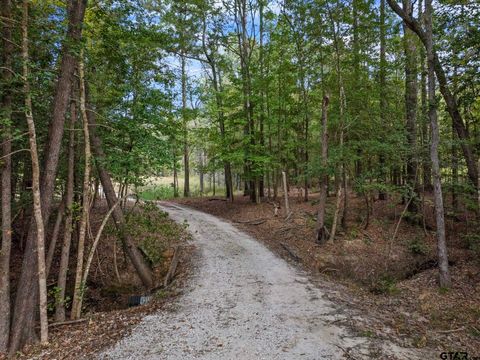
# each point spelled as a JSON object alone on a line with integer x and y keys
{"x": 246, "y": 303}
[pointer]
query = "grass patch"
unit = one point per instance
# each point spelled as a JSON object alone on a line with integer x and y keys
{"x": 159, "y": 192}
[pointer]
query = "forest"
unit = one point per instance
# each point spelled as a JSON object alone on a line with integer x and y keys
{"x": 346, "y": 105}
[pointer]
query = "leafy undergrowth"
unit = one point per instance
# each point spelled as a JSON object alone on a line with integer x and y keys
{"x": 112, "y": 280}
{"x": 397, "y": 277}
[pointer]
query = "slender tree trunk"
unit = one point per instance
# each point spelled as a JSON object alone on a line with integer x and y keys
{"x": 336, "y": 213}
{"x": 96, "y": 188}
{"x": 285, "y": 193}
{"x": 260, "y": 179}
{"x": 143, "y": 271}
{"x": 427, "y": 170}
{"x": 213, "y": 177}
{"x": 26, "y": 300}
{"x": 37, "y": 206}
{"x": 321, "y": 230}
{"x": 342, "y": 185}
{"x": 68, "y": 228}
{"x": 175, "y": 171}
{"x": 94, "y": 247}
{"x": 454, "y": 172}
{"x": 444, "y": 275}
{"x": 79, "y": 282}
{"x": 383, "y": 94}
{"x": 241, "y": 13}
{"x": 186, "y": 166}
{"x": 217, "y": 85}
{"x": 6, "y": 174}
{"x": 411, "y": 91}
{"x": 201, "y": 173}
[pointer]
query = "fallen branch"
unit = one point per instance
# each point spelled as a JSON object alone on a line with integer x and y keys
{"x": 173, "y": 266}
{"x": 216, "y": 199}
{"x": 451, "y": 331}
{"x": 289, "y": 215}
{"x": 70, "y": 322}
{"x": 390, "y": 244}
{"x": 252, "y": 222}
{"x": 328, "y": 269}
{"x": 291, "y": 253}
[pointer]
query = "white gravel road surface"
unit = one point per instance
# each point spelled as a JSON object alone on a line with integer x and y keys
{"x": 244, "y": 302}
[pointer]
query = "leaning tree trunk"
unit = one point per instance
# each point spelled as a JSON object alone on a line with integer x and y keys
{"x": 23, "y": 321}
{"x": 444, "y": 275}
{"x": 37, "y": 207}
{"x": 321, "y": 230}
{"x": 143, "y": 271}
{"x": 6, "y": 175}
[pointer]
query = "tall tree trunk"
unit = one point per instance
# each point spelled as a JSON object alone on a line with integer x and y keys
{"x": 143, "y": 271}
{"x": 341, "y": 185}
{"x": 68, "y": 228}
{"x": 321, "y": 230}
{"x": 411, "y": 90}
{"x": 26, "y": 298}
{"x": 37, "y": 206}
{"x": 426, "y": 167}
{"x": 79, "y": 283}
{"x": 383, "y": 95}
{"x": 444, "y": 275}
{"x": 454, "y": 172}
{"x": 240, "y": 14}
{"x": 260, "y": 179}
{"x": 6, "y": 173}
{"x": 186, "y": 166}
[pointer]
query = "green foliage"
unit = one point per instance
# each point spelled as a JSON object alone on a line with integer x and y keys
{"x": 472, "y": 241}
{"x": 417, "y": 246}
{"x": 385, "y": 285}
{"x": 443, "y": 290}
{"x": 54, "y": 298}
{"x": 155, "y": 230}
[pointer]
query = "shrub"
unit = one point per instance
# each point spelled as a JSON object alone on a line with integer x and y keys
{"x": 418, "y": 247}
{"x": 385, "y": 285}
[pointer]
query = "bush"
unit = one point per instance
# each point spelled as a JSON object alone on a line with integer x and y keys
{"x": 418, "y": 247}
{"x": 385, "y": 285}
{"x": 156, "y": 231}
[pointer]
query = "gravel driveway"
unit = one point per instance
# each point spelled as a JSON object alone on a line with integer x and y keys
{"x": 244, "y": 302}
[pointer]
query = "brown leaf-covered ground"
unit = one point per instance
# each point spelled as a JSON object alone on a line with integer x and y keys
{"x": 394, "y": 277}
{"x": 106, "y": 313}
